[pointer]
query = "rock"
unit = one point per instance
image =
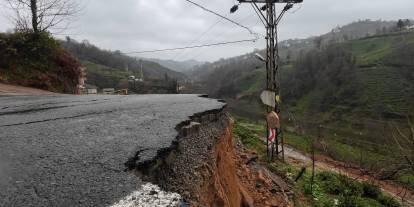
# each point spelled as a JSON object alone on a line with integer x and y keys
{"x": 252, "y": 159}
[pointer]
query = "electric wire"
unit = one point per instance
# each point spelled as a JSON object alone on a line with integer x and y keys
{"x": 199, "y": 37}
{"x": 204, "y": 33}
{"x": 226, "y": 18}
{"x": 191, "y": 47}
{"x": 202, "y": 51}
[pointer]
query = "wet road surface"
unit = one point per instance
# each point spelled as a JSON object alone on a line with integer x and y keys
{"x": 61, "y": 150}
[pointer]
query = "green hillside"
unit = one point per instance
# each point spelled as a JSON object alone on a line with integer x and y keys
{"x": 378, "y": 84}
{"x": 356, "y": 92}
{"x": 103, "y": 76}
{"x": 106, "y": 68}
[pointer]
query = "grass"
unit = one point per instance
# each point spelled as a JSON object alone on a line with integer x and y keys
{"x": 372, "y": 50}
{"x": 103, "y": 76}
{"x": 328, "y": 189}
{"x": 251, "y": 82}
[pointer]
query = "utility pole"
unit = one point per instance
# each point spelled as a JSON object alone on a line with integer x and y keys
{"x": 141, "y": 72}
{"x": 268, "y": 16}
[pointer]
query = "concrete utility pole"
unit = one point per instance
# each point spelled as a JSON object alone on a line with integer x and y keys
{"x": 270, "y": 21}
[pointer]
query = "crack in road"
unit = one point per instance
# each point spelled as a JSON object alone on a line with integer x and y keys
{"x": 41, "y": 109}
{"x": 55, "y": 119}
{"x": 131, "y": 163}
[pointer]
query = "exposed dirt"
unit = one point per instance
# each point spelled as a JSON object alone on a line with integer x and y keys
{"x": 207, "y": 168}
{"x": 238, "y": 180}
{"x": 20, "y": 90}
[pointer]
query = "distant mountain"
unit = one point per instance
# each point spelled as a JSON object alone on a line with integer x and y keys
{"x": 103, "y": 65}
{"x": 380, "y": 84}
{"x": 179, "y": 66}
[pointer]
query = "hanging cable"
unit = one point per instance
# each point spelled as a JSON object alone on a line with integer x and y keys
{"x": 199, "y": 37}
{"x": 232, "y": 21}
{"x": 190, "y": 47}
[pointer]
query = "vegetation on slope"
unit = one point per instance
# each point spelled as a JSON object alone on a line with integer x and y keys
{"x": 328, "y": 188}
{"x": 37, "y": 60}
{"x": 105, "y": 77}
{"x": 354, "y": 94}
{"x": 111, "y": 68}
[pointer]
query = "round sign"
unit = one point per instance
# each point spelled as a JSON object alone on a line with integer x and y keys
{"x": 273, "y": 120}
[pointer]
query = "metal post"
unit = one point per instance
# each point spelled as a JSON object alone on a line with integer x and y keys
{"x": 272, "y": 56}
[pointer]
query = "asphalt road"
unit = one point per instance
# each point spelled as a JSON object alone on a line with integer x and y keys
{"x": 58, "y": 150}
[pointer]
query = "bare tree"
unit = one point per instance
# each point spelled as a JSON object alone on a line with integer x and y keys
{"x": 42, "y": 15}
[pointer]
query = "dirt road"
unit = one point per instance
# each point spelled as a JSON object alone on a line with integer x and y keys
{"x": 6, "y": 89}
{"x": 298, "y": 158}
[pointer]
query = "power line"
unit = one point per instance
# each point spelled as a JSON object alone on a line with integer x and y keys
{"x": 200, "y": 52}
{"x": 200, "y": 36}
{"x": 217, "y": 14}
{"x": 191, "y": 47}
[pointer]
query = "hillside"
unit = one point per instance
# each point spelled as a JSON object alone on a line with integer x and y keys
{"x": 179, "y": 66}
{"x": 110, "y": 68}
{"x": 38, "y": 61}
{"x": 369, "y": 77}
{"x": 380, "y": 72}
{"x": 290, "y": 49}
{"x": 355, "y": 95}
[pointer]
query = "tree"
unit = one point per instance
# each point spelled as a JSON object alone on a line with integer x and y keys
{"x": 407, "y": 22}
{"x": 400, "y": 24}
{"x": 42, "y": 15}
{"x": 318, "y": 42}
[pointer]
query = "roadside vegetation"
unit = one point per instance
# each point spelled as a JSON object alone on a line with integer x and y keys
{"x": 327, "y": 188}
{"x": 39, "y": 61}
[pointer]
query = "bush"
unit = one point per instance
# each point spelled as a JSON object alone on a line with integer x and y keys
{"x": 370, "y": 190}
{"x": 388, "y": 201}
{"x": 348, "y": 201}
{"x": 330, "y": 182}
{"x": 362, "y": 202}
{"x": 38, "y": 61}
{"x": 350, "y": 187}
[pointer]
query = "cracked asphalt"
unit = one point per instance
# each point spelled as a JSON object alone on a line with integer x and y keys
{"x": 62, "y": 150}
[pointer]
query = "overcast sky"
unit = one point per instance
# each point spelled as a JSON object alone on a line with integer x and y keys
{"x": 137, "y": 25}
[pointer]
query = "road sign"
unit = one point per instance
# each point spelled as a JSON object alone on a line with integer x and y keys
{"x": 268, "y": 98}
{"x": 273, "y": 120}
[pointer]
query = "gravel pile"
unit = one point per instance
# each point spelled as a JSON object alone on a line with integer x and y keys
{"x": 150, "y": 196}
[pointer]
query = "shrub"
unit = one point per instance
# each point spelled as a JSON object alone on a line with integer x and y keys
{"x": 330, "y": 182}
{"x": 350, "y": 187}
{"x": 38, "y": 61}
{"x": 362, "y": 202}
{"x": 370, "y": 190}
{"x": 388, "y": 201}
{"x": 348, "y": 201}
